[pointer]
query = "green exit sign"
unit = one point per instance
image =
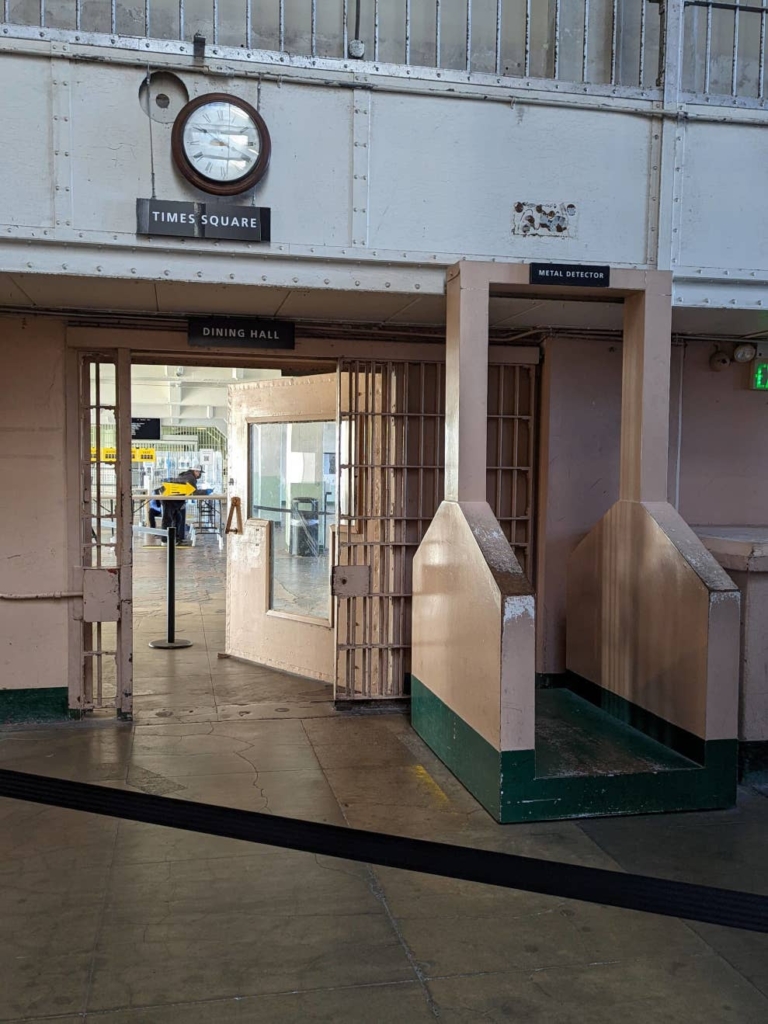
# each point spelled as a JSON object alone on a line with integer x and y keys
{"x": 760, "y": 376}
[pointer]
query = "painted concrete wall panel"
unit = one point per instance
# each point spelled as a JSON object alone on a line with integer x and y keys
{"x": 445, "y": 177}
{"x": 33, "y": 550}
{"x": 26, "y": 155}
{"x": 725, "y": 223}
{"x": 307, "y": 185}
{"x": 722, "y": 454}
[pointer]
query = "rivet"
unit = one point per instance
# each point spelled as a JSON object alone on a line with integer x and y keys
{"x": 295, "y": 280}
{"x": 417, "y": 286}
{"x": 327, "y": 280}
{"x": 167, "y": 273}
{"x": 263, "y": 277}
{"x": 98, "y": 269}
{"x": 232, "y": 277}
{"x": 133, "y": 270}
{"x": 199, "y": 273}
{"x": 357, "y": 284}
{"x": 386, "y": 284}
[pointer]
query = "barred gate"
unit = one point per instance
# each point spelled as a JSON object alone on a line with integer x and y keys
{"x": 390, "y": 467}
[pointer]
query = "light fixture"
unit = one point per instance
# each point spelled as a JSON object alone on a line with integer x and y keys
{"x": 744, "y": 353}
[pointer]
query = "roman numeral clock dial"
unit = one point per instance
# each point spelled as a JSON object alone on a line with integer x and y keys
{"x": 221, "y": 144}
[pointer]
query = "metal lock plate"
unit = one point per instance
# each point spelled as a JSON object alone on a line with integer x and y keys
{"x": 101, "y": 595}
{"x": 351, "y": 580}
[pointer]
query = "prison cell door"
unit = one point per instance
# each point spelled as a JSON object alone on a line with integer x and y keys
{"x": 102, "y": 625}
{"x": 391, "y": 465}
{"x": 283, "y": 446}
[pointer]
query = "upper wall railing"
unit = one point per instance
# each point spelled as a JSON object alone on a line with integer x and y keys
{"x": 725, "y": 48}
{"x": 601, "y": 44}
{"x": 593, "y": 42}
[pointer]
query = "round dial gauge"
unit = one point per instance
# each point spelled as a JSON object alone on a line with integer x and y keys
{"x": 221, "y": 144}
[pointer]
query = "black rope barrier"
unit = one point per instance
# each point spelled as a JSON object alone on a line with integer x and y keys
{"x": 704, "y": 903}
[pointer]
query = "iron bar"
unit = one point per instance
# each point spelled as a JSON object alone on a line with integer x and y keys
{"x": 407, "y": 31}
{"x": 215, "y": 21}
{"x": 469, "y": 35}
{"x": 761, "y": 63}
{"x": 585, "y": 43}
{"x": 147, "y": 17}
{"x": 97, "y": 400}
{"x": 615, "y": 40}
{"x": 643, "y": 29}
{"x": 78, "y": 13}
{"x": 515, "y": 371}
{"x": 748, "y": 9}
{"x": 181, "y": 18}
{"x": 735, "y": 56}
{"x": 281, "y": 24}
{"x": 499, "y": 435}
{"x": 528, "y": 15}
{"x": 313, "y": 29}
{"x": 557, "y": 40}
{"x": 438, "y": 31}
{"x": 7, "y": 10}
{"x": 42, "y": 13}
{"x": 375, "y": 29}
{"x": 499, "y": 11}
{"x": 113, "y": 17}
{"x": 248, "y": 23}
{"x": 345, "y": 29}
{"x": 99, "y": 700}
{"x": 708, "y": 49}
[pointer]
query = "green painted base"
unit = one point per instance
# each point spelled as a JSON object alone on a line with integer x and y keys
{"x": 753, "y": 759}
{"x": 651, "y": 780}
{"x": 46, "y": 704}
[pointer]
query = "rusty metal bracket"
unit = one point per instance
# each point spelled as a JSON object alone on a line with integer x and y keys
{"x": 235, "y": 509}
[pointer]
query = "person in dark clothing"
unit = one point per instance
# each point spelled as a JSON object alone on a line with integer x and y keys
{"x": 175, "y": 512}
{"x": 155, "y": 509}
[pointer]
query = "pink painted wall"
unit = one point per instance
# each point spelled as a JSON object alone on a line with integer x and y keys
{"x": 723, "y": 463}
{"x": 716, "y": 465}
{"x": 33, "y": 537}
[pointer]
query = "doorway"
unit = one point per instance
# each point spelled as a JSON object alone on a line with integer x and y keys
{"x": 337, "y": 476}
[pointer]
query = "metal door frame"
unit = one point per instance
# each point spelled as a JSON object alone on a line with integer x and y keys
{"x": 88, "y": 653}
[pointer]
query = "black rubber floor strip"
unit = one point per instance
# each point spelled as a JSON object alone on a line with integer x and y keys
{"x": 551, "y": 878}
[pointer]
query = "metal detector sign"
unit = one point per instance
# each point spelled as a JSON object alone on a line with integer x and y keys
{"x": 570, "y": 274}
{"x": 240, "y": 332}
{"x": 203, "y": 220}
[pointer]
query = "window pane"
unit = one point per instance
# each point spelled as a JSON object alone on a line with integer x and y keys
{"x": 293, "y": 484}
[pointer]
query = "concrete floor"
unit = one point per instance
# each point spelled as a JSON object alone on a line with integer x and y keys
{"x": 126, "y": 923}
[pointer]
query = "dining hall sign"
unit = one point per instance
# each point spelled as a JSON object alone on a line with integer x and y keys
{"x": 240, "y": 332}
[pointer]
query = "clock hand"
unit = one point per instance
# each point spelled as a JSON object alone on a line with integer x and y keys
{"x": 216, "y": 137}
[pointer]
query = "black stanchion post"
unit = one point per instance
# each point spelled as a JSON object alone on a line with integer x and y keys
{"x": 170, "y": 641}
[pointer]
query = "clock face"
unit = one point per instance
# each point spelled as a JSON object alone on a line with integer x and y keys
{"x": 221, "y": 144}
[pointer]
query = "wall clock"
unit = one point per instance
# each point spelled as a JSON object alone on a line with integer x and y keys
{"x": 221, "y": 144}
